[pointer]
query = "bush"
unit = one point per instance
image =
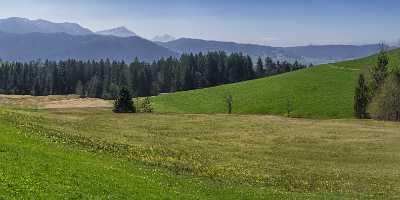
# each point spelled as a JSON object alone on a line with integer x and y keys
{"x": 146, "y": 105}
{"x": 124, "y": 103}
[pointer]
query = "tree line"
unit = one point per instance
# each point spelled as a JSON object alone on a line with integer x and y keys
{"x": 377, "y": 94}
{"x": 105, "y": 78}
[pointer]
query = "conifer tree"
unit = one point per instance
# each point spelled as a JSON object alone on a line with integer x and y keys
{"x": 361, "y": 98}
{"x": 379, "y": 71}
{"x": 124, "y": 103}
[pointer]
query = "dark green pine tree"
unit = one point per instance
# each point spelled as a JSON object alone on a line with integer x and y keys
{"x": 124, "y": 103}
{"x": 260, "y": 68}
{"x": 379, "y": 72}
{"x": 361, "y": 98}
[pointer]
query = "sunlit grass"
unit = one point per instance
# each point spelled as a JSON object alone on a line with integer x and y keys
{"x": 326, "y": 91}
{"x": 328, "y": 157}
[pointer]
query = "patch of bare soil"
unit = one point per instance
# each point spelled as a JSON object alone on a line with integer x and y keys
{"x": 54, "y": 101}
{"x": 76, "y": 103}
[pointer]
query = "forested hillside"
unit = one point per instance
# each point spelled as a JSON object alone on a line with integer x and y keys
{"x": 102, "y": 79}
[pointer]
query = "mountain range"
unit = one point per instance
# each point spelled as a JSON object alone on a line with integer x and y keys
{"x": 315, "y": 54}
{"x": 24, "y": 40}
{"x": 60, "y": 46}
{"x": 22, "y": 26}
{"x": 118, "y": 32}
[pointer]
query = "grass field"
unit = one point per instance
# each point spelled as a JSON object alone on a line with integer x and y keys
{"x": 325, "y": 91}
{"x": 63, "y": 147}
{"x": 35, "y": 168}
{"x": 92, "y": 153}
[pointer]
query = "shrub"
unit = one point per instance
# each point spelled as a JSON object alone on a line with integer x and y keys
{"x": 146, "y": 105}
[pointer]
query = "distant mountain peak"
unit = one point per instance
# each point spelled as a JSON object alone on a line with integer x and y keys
{"x": 17, "y": 19}
{"x": 121, "y": 31}
{"x": 23, "y": 25}
{"x": 163, "y": 38}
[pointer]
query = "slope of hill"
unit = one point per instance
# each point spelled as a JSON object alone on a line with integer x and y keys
{"x": 311, "y": 54}
{"x": 57, "y": 46}
{"x": 118, "y": 32}
{"x": 22, "y": 25}
{"x": 324, "y": 91}
{"x": 94, "y": 153}
{"x": 34, "y": 167}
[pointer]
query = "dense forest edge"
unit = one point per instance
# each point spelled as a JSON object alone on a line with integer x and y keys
{"x": 105, "y": 78}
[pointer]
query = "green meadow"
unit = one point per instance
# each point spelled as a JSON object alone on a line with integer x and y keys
{"x": 322, "y": 92}
{"x": 58, "y": 148}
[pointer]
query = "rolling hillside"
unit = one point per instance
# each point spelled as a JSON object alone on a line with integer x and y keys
{"x": 93, "y": 153}
{"x": 324, "y": 91}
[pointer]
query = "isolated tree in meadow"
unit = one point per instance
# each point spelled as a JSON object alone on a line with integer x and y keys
{"x": 361, "y": 98}
{"x": 124, "y": 103}
{"x": 229, "y": 102}
{"x": 260, "y": 68}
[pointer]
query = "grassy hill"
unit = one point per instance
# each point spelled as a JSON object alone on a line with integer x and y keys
{"x": 92, "y": 153}
{"x": 36, "y": 167}
{"x": 325, "y": 91}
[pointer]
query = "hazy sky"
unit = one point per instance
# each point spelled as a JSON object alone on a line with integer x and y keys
{"x": 277, "y": 23}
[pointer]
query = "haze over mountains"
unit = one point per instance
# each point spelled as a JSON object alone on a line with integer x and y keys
{"x": 163, "y": 38}
{"x": 118, "y": 32}
{"x": 25, "y": 40}
{"x": 313, "y": 54}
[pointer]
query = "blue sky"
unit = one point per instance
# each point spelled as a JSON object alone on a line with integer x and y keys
{"x": 277, "y": 23}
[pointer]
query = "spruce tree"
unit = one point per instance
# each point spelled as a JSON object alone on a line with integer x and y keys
{"x": 379, "y": 71}
{"x": 124, "y": 103}
{"x": 361, "y": 98}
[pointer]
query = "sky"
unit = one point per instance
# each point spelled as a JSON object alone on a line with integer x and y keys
{"x": 266, "y": 22}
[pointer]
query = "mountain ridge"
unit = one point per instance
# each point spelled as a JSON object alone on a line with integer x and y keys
{"x": 120, "y": 31}
{"x": 61, "y": 46}
{"x": 23, "y": 25}
{"x": 316, "y": 54}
